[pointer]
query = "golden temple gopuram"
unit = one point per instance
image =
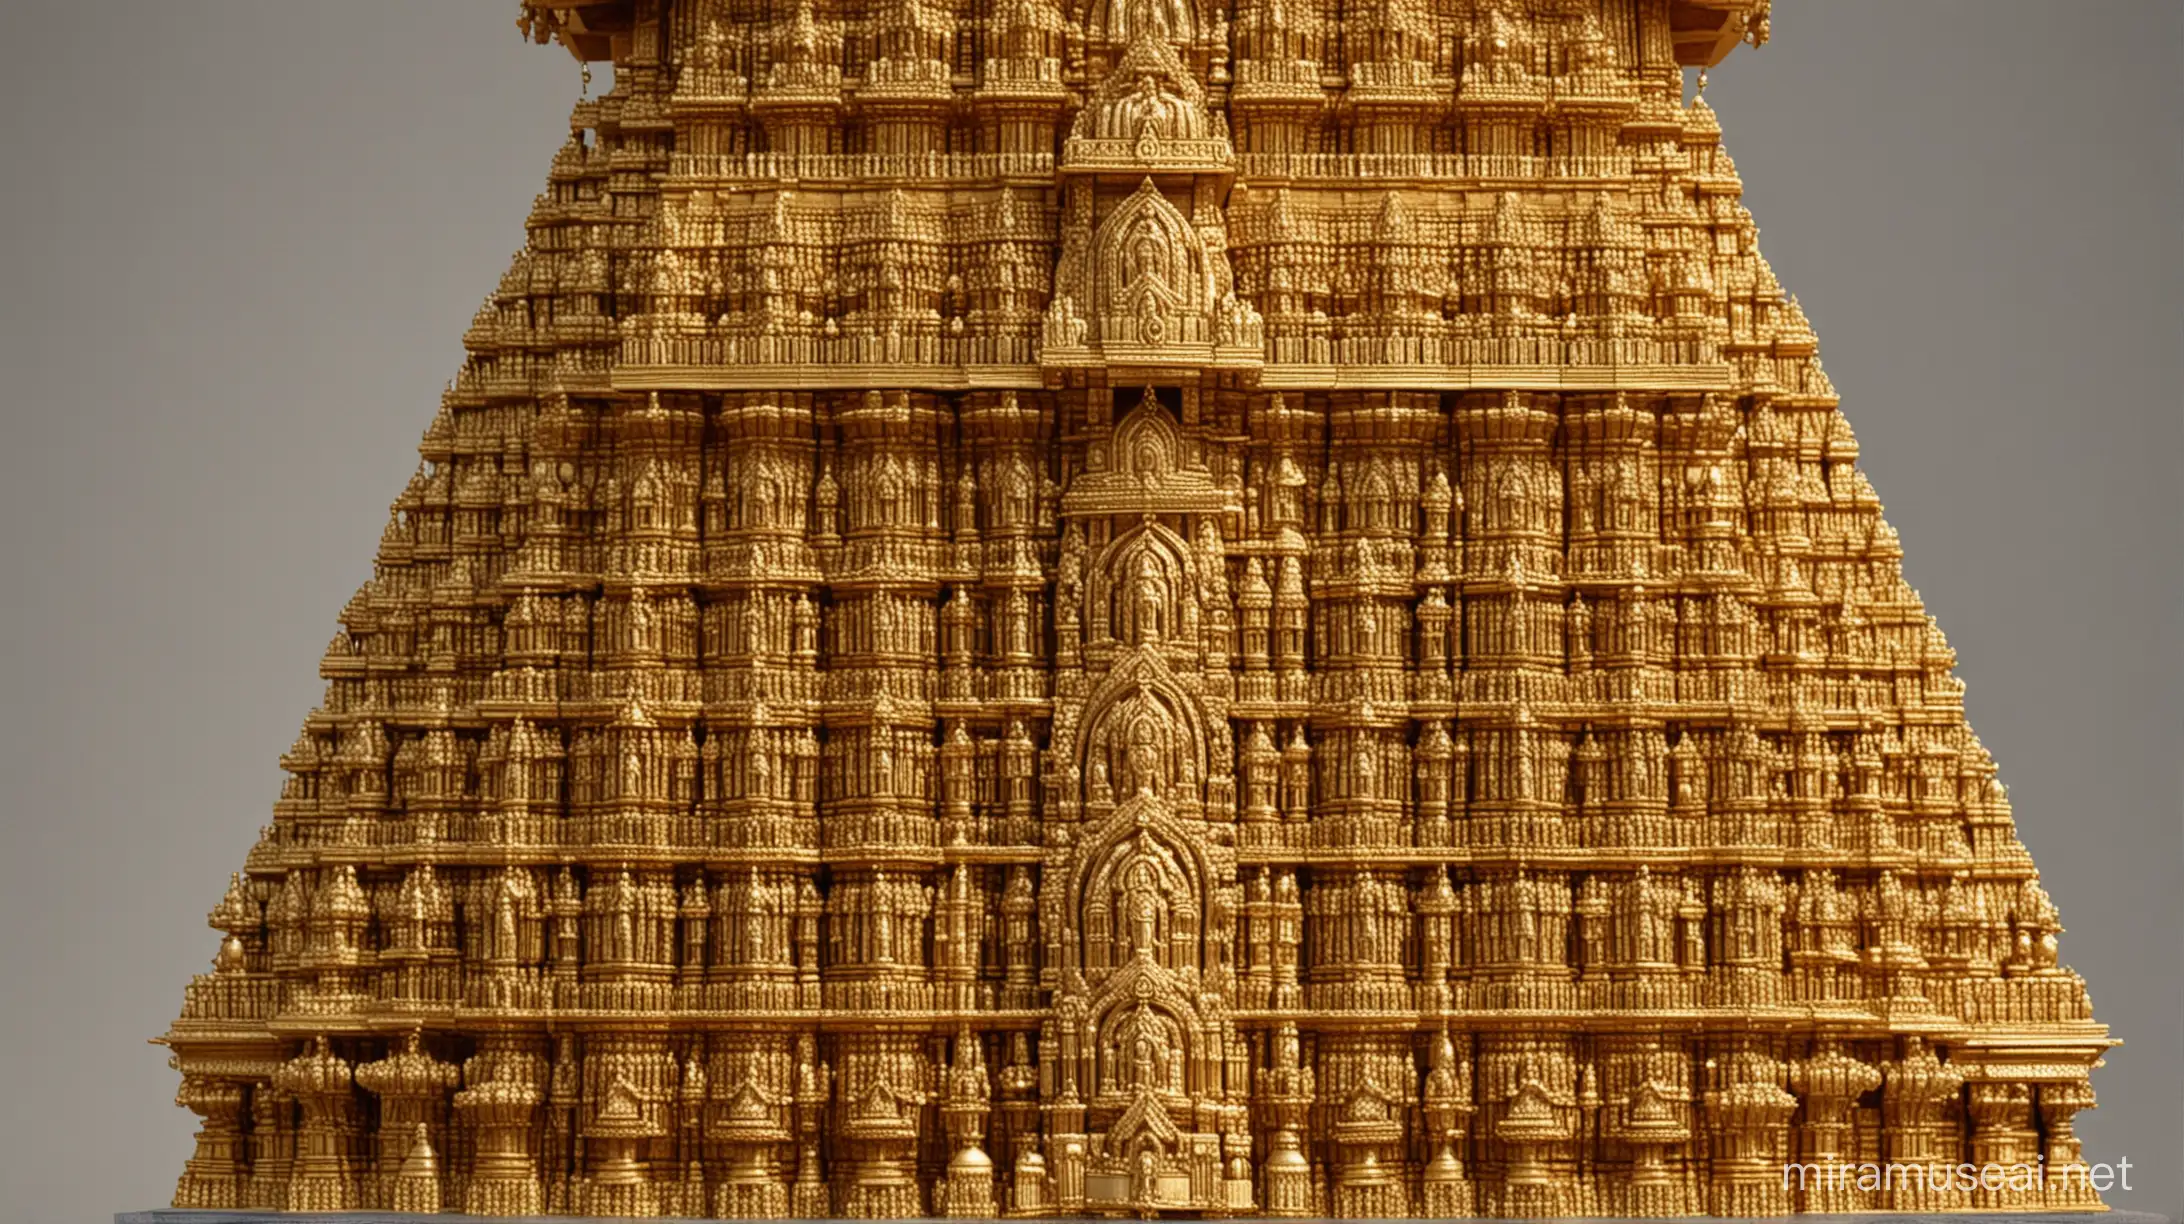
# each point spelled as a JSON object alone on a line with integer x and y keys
{"x": 1140, "y": 608}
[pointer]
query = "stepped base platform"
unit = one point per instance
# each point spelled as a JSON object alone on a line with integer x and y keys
{"x": 178, "y": 1215}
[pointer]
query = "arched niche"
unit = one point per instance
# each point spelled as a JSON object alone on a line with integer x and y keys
{"x": 1145, "y": 467}
{"x": 1155, "y": 285}
{"x": 1144, "y": 590}
{"x": 1509, "y": 507}
{"x": 1141, "y": 1036}
{"x": 1142, "y": 901}
{"x": 1148, "y": 448}
{"x": 1142, "y": 736}
{"x": 1117, "y": 22}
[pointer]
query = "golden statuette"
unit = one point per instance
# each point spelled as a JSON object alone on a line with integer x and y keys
{"x": 1136, "y": 608}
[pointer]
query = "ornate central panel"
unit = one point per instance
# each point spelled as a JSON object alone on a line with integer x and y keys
{"x": 1144, "y": 882}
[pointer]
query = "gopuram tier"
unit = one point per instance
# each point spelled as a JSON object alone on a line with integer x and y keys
{"x": 1142, "y": 608}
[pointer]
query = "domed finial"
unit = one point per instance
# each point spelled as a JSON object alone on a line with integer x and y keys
{"x": 587, "y": 80}
{"x": 1702, "y": 81}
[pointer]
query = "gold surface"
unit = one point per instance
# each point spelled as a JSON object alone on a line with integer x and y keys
{"x": 1146, "y": 610}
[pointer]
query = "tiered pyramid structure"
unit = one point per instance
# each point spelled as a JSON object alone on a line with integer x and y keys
{"x": 1141, "y": 608}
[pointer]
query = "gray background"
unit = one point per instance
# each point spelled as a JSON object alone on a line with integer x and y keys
{"x": 244, "y": 238}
